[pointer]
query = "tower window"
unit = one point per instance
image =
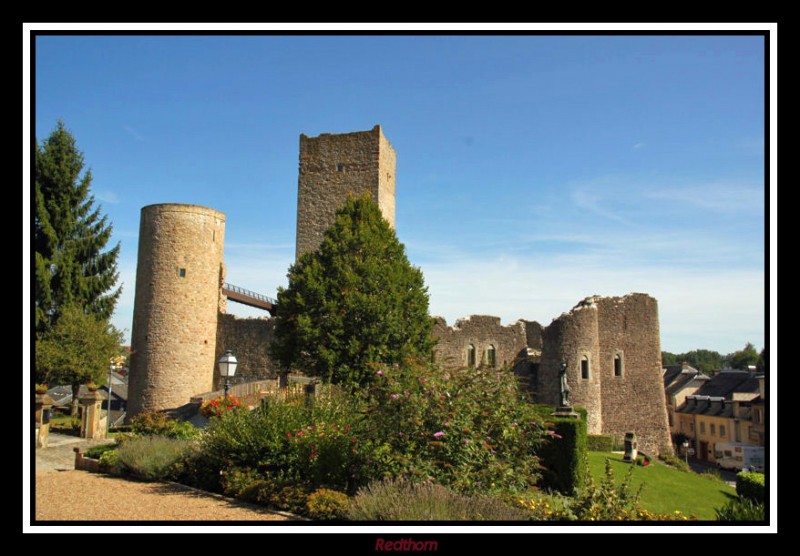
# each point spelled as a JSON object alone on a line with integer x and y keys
{"x": 340, "y": 167}
{"x": 491, "y": 356}
{"x": 618, "y": 365}
{"x": 585, "y": 368}
{"x": 182, "y": 272}
{"x": 470, "y": 356}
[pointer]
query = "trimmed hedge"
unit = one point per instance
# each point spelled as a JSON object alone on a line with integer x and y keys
{"x": 565, "y": 454}
{"x": 600, "y": 443}
{"x": 751, "y": 486}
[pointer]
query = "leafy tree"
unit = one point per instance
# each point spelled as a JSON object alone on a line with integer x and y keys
{"x": 744, "y": 357}
{"x": 354, "y": 303}
{"x": 668, "y": 358}
{"x": 76, "y": 350}
{"x": 70, "y": 235}
{"x": 703, "y": 360}
{"x": 761, "y": 366}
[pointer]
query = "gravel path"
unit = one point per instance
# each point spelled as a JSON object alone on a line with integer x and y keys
{"x": 84, "y": 496}
{"x": 63, "y": 494}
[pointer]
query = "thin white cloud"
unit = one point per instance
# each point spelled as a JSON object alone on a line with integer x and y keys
{"x": 107, "y": 196}
{"x": 717, "y": 197}
{"x": 133, "y": 133}
{"x": 638, "y": 146}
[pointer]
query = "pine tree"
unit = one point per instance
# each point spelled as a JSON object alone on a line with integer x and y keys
{"x": 354, "y": 304}
{"x": 70, "y": 235}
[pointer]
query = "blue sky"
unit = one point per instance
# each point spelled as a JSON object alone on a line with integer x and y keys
{"x": 532, "y": 171}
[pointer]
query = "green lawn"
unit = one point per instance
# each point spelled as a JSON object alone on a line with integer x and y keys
{"x": 667, "y": 489}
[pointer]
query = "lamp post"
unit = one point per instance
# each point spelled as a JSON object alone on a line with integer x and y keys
{"x": 227, "y": 368}
{"x": 686, "y": 451}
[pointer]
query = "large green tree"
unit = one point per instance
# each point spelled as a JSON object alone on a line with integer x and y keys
{"x": 76, "y": 350}
{"x": 354, "y": 304}
{"x": 72, "y": 264}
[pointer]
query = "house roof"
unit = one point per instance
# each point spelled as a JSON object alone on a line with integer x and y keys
{"x": 712, "y": 406}
{"x": 728, "y": 382}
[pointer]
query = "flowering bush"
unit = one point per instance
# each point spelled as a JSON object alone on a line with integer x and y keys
{"x": 155, "y": 423}
{"x": 218, "y": 406}
{"x": 40, "y": 388}
{"x": 472, "y": 431}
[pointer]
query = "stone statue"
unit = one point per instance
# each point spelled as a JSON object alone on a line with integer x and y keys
{"x": 564, "y": 386}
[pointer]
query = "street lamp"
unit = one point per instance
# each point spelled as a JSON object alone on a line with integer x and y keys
{"x": 686, "y": 451}
{"x": 227, "y": 368}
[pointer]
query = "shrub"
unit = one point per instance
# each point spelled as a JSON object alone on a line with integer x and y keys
{"x": 218, "y": 406}
{"x": 712, "y": 475}
{"x": 153, "y": 458}
{"x": 402, "y": 500}
{"x": 600, "y": 443}
{"x": 109, "y": 461}
{"x": 96, "y": 451}
{"x": 155, "y": 423}
{"x": 751, "y": 486}
{"x": 741, "y": 509}
{"x": 314, "y": 444}
{"x": 471, "y": 431}
{"x": 564, "y": 456}
{"x": 274, "y": 491}
{"x": 674, "y": 461}
{"x": 325, "y": 504}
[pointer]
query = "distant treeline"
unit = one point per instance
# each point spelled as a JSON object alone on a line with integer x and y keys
{"x": 708, "y": 361}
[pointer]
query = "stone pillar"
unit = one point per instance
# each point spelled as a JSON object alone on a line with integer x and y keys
{"x": 43, "y": 405}
{"x": 92, "y": 426}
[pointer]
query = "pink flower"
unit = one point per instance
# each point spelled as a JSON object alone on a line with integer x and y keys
{"x": 394, "y": 396}
{"x": 379, "y": 373}
{"x": 438, "y": 434}
{"x": 289, "y": 435}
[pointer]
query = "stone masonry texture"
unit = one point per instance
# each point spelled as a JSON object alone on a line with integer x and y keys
{"x": 249, "y": 340}
{"x": 335, "y": 166}
{"x": 178, "y": 289}
{"x": 600, "y": 328}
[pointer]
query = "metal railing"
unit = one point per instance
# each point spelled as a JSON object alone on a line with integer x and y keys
{"x": 248, "y": 293}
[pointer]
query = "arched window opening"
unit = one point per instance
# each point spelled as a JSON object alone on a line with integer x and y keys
{"x": 585, "y": 368}
{"x": 470, "y": 356}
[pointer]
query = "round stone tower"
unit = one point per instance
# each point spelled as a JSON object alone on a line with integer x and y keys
{"x": 574, "y": 338}
{"x": 179, "y": 281}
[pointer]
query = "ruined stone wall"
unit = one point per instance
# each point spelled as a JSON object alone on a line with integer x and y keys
{"x": 635, "y": 400}
{"x": 570, "y": 338}
{"x": 249, "y": 340}
{"x": 178, "y": 297}
{"x": 333, "y": 166}
{"x": 481, "y": 332}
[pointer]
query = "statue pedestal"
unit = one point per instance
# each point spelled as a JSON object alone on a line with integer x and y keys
{"x": 565, "y": 411}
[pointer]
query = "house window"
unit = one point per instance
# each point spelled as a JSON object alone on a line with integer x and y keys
{"x": 585, "y": 368}
{"x": 340, "y": 167}
{"x": 702, "y": 427}
{"x": 618, "y": 365}
{"x": 681, "y": 423}
{"x": 713, "y": 429}
{"x": 691, "y": 426}
{"x": 722, "y": 431}
{"x": 491, "y": 357}
{"x": 471, "y": 356}
{"x": 182, "y": 272}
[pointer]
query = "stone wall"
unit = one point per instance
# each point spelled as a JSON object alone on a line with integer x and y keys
{"x": 628, "y": 397}
{"x": 249, "y": 340}
{"x": 570, "y": 338}
{"x": 333, "y": 166}
{"x": 634, "y": 400}
{"x": 177, "y": 299}
{"x": 482, "y": 332}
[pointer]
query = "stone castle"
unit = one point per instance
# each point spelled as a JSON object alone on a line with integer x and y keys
{"x": 611, "y": 345}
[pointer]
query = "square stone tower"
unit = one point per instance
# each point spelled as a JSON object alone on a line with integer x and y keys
{"x": 333, "y": 166}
